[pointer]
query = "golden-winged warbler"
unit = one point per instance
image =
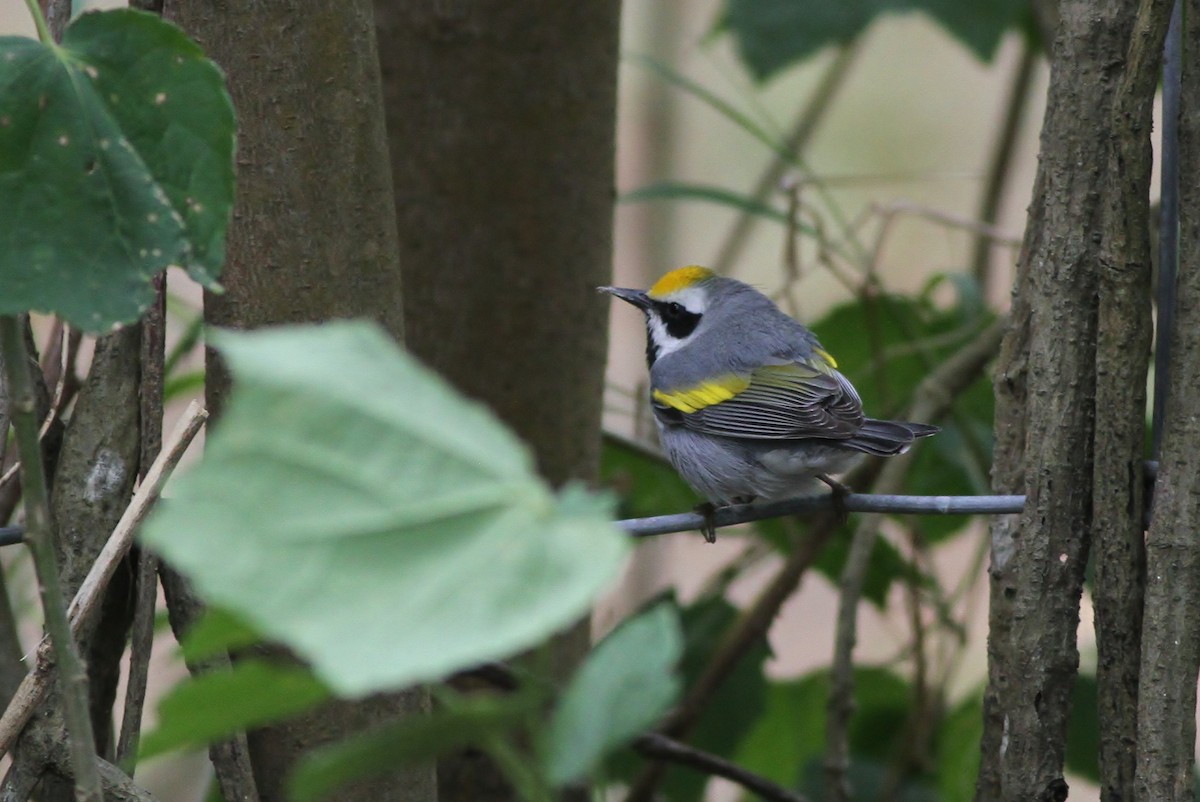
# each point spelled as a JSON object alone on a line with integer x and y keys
{"x": 748, "y": 405}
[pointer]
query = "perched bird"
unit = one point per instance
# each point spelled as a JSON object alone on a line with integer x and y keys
{"x": 748, "y": 405}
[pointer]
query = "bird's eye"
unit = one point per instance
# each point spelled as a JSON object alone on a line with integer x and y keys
{"x": 674, "y": 310}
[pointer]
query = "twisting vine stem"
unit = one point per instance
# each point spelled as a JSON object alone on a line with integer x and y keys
{"x": 39, "y": 536}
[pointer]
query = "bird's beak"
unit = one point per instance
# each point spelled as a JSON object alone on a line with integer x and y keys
{"x": 636, "y": 297}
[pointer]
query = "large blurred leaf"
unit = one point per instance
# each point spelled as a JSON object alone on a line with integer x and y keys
{"x": 216, "y": 704}
{"x": 353, "y": 506}
{"x": 774, "y": 34}
{"x": 622, "y": 688}
{"x": 473, "y": 721}
{"x": 116, "y": 161}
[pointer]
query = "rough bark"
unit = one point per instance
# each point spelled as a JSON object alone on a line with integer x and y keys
{"x": 501, "y": 121}
{"x": 1122, "y": 356}
{"x": 1047, "y": 391}
{"x": 313, "y": 238}
{"x": 1171, "y": 635}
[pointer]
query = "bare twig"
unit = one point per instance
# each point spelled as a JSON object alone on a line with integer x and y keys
{"x": 88, "y": 598}
{"x": 1000, "y": 165}
{"x": 141, "y": 636}
{"x": 660, "y": 747}
{"x": 230, "y": 757}
{"x": 39, "y": 535}
{"x": 803, "y": 129}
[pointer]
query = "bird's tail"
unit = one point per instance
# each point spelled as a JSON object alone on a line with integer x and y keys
{"x": 887, "y": 437}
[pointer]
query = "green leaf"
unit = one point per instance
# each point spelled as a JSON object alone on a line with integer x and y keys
{"x": 886, "y": 565}
{"x": 958, "y": 738}
{"x": 775, "y": 34}
{"x": 116, "y": 161}
{"x": 731, "y": 712}
{"x": 1083, "y": 729}
{"x": 218, "y": 632}
{"x": 355, "y": 507}
{"x": 790, "y": 733}
{"x": 788, "y": 739}
{"x": 216, "y": 704}
{"x": 473, "y": 721}
{"x": 623, "y": 687}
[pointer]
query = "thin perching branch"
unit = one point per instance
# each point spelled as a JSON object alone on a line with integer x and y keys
{"x": 39, "y": 535}
{"x": 854, "y": 502}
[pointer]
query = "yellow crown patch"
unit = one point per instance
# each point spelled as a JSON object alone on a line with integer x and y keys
{"x": 679, "y": 279}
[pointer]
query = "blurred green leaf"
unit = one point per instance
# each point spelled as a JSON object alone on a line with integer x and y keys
{"x": 677, "y": 190}
{"x": 790, "y": 733}
{"x": 623, "y": 687}
{"x": 218, "y": 632}
{"x": 116, "y": 161}
{"x": 1083, "y": 729}
{"x": 787, "y": 741}
{"x": 732, "y": 711}
{"x": 645, "y": 485}
{"x": 216, "y": 704}
{"x": 402, "y": 540}
{"x": 772, "y": 35}
{"x": 473, "y": 721}
{"x": 885, "y": 566}
{"x": 958, "y": 739}
{"x": 183, "y": 384}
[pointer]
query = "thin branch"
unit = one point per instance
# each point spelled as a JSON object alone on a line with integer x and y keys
{"x": 802, "y": 131}
{"x": 854, "y": 502}
{"x": 660, "y": 747}
{"x": 150, "y": 421}
{"x": 999, "y": 167}
{"x": 90, "y": 593}
{"x": 39, "y": 536}
{"x": 841, "y": 675}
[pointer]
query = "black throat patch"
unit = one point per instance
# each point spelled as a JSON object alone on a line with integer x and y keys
{"x": 678, "y": 321}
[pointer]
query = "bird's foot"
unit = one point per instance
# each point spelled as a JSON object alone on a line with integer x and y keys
{"x": 709, "y": 527}
{"x": 838, "y": 493}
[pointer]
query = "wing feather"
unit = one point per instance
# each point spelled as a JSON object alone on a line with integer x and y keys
{"x": 801, "y": 399}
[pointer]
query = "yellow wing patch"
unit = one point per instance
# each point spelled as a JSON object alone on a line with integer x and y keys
{"x": 679, "y": 279}
{"x": 828, "y": 357}
{"x": 705, "y": 394}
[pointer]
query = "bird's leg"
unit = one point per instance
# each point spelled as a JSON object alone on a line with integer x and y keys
{"x": 838, "y": 493}
{"x": 709, "y": 527}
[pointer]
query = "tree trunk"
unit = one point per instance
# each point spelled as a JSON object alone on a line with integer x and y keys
{"x": 313, "y": 238}
{"x": 501, "y": 120}
{"x": 1171, "y": 641}
{"x": 1072, "y": 374}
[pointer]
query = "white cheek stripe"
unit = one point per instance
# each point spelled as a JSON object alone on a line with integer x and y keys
{"x": 665, "y": 342}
